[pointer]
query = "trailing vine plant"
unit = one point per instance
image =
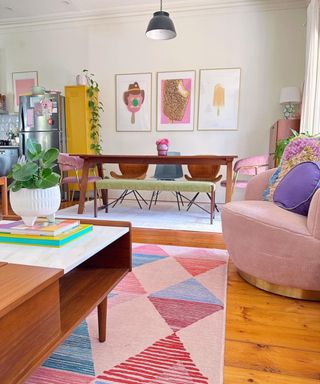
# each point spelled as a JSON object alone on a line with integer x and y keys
{"x": 95, "y": 107}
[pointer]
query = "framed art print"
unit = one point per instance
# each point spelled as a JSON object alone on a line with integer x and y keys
{"x": 133, "y": 102}
{"x": 175, "y": 100}
{"x": 219, "y": 99}
{"x": 22, "y": 83}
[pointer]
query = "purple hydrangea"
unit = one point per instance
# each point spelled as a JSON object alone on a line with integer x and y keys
{"x": 295, "y": 147}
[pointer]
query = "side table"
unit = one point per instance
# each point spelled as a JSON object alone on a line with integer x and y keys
{"x": 46, "y": 292}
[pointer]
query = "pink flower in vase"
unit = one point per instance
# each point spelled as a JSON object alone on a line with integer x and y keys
{"x": 162, "y": 146}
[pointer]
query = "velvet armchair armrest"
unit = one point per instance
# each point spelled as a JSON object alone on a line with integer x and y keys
{"x": 313, "y": 221}
{"x": 258, "y": 184}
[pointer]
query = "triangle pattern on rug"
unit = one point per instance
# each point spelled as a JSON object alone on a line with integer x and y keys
{"x": 180, "y": 314}
{"x": 139, "y": 259}
{"x": 150, "y": 249}
{"x": 130, "y": 284}
{"x": 75, "y": 354}
{"x": 165, "y": 361}
{"x": 189, "y": 290}
{"x": 196, "y": 266}
{"x": 185, "y": 303}
{"x": 54, "y": 376}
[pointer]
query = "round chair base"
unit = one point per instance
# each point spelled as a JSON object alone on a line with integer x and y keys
{"x": 295, "y": 293}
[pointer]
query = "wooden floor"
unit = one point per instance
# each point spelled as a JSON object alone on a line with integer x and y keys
{"x": 269, "y": 339}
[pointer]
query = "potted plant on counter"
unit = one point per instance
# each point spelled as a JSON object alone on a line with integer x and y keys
{"x": 35, "y": 189}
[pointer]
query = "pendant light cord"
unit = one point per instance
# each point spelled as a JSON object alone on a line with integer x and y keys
{"x": 160, "y": 5}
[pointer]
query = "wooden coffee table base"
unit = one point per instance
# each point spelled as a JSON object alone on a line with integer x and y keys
{"x": 40, "y": 307}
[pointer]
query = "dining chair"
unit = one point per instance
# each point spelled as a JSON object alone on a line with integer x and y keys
{"x": 168, "y": 172}
{"x": 202, "y": 173}
{"x": 130, "y": 171}
{"x": 248, "y": 166}
{"x": 72, "y": 164}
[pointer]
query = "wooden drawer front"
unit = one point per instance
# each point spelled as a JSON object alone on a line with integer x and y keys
{"x": 26, "y": 331}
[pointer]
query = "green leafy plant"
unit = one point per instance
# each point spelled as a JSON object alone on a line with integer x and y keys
{"x": 36, "y": 171}
{"x": 95, "y": 107}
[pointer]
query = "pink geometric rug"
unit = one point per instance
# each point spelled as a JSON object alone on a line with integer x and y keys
{"x": 166, "y": 325}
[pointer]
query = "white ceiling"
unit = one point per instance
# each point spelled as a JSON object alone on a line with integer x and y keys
{"x": 24, "y": 11}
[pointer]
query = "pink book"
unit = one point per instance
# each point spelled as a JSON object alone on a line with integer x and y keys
{"x": 41, "y": 227}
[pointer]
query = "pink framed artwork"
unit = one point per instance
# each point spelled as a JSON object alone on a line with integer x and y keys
{"x": 22, "y": 83}
{"x": 175, "y": 101}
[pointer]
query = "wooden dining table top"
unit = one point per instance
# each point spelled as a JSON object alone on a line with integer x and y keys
{"x": 155, "y": 159}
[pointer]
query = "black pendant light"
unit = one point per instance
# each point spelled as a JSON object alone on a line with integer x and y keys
{"x": 161, "y": 26}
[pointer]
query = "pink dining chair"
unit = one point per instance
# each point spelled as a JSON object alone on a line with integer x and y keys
{"x": 75, "y": 164}
{"x": 249, "y": 166}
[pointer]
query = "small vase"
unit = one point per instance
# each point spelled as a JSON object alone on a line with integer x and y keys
{"x": 82, "y": 80}
{"x": 162, "y": 149}
{"x": 31, "y": 203}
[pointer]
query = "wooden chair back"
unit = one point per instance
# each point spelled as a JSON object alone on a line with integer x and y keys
{"x": 131, "y": 171}
{"x": 203, "y": 173}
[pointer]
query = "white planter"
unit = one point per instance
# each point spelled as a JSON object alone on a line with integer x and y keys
{"x": 31, "y": 203}
{"x": 82, "y": 80}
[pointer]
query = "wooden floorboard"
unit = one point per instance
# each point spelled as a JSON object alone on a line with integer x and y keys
{"x": 269, "y": 339}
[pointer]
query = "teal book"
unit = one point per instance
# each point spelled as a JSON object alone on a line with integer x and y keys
{"x": 46, "y": 241}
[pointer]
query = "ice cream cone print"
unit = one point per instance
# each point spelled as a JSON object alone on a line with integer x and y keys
{"x": 218, "y": 97}
{"x": 133, "y": 98}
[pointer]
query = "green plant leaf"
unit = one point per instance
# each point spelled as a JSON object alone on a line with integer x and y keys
{"x": 50, "y": 181}
{"x": 50, "y": 156}
{"x": 25, "y": 172}
{"x": 45, "y": 172}
{"x": 15, "y": 186}
{"x": 33, "y": 147}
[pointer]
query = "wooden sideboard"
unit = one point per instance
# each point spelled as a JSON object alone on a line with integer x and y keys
{"x": 46, "y": 292}
{"x": 280, "y": 130}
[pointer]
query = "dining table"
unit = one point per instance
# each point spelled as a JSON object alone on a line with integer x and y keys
{"x": 93, "y": 160}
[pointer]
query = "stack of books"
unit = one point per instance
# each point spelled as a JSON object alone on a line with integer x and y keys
{"x": 43, "y": 233}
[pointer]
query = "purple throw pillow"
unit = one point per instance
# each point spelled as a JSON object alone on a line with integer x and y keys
{"x": 295, "y": 190}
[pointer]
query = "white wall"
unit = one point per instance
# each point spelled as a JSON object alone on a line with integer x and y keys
{"x": 267, "y": 46}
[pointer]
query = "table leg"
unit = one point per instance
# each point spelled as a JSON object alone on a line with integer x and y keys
{"x": 102, "y": 320}
{"x": 4, "y": 196}
{"x": 103, "y": 191}
{"x": 229, "y": 182}
{"x": 83, "y": 187}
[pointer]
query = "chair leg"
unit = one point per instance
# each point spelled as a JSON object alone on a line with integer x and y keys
{"x": 95, "y": 199}
{"x": 156, "y": 197}
{"x": 135, "y": 195}
{"x": 141, "y": 197}
{"x": 151, "y": 200}
{"x": 192, "y": 201}
{"x": 177, "y": 197}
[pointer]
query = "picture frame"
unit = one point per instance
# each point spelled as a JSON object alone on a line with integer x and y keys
{"x": 219, "y": 97}
{"x": 175, "y": 100}
{"x": 22, "y": 83}
{"x": 133, "y": 102}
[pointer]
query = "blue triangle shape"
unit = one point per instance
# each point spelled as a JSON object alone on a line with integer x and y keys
{"x": 190, "y": 290}
{"x": 140, "y": 259}
{"x": 75, "y": 354}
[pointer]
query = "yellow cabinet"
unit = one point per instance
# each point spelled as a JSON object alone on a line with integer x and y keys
{"x": 78, "y": 117}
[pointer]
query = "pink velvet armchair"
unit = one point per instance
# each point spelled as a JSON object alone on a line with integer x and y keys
{"x": 272, "y": 248}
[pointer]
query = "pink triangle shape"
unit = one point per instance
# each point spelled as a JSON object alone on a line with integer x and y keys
{"x": 166, "y": 360}
{"x": 196, "y": 266}
{"x": 181, "y": 313}
{"x": 151, "y": 249}
{"x": 130, "y": 284}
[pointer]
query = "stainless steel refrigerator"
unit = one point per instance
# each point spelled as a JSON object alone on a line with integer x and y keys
{"x": 42, "y": 118}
